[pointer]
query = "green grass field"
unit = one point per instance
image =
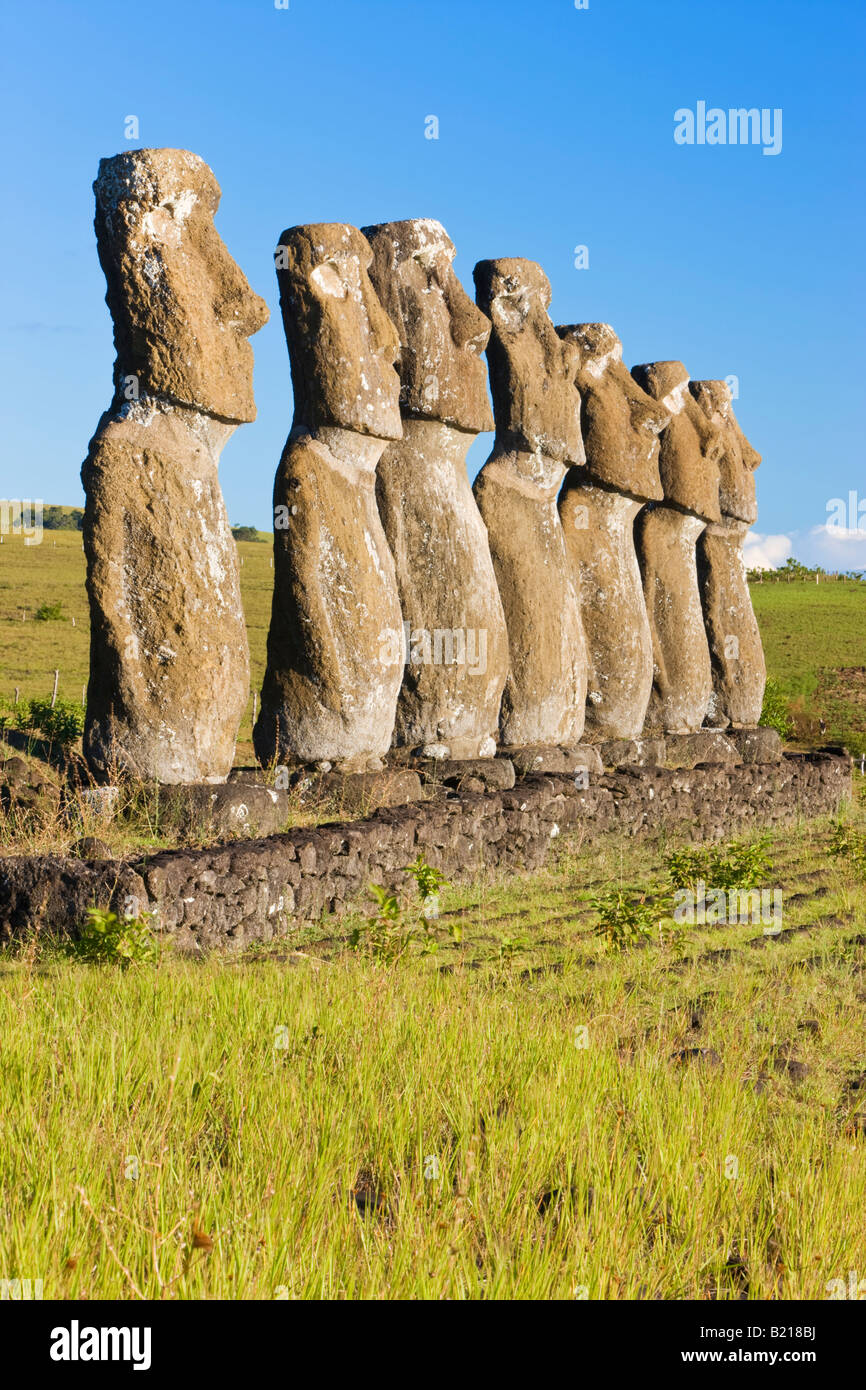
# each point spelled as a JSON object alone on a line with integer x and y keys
{"x": 501, "y": 1118}
{"x": 814, "y": 635}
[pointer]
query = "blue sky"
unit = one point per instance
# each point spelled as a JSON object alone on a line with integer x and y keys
{"x": 556, "y": 129}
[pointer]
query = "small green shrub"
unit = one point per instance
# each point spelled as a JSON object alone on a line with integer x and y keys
{"x": 388, "y": 934}
{"x": 738, "y": 864}
{"x": 776, "y": 713}
{"x": 50, "y": 613}
{"x": 107, "y": 939}
{"x": 849, "y": 844}
{"x": 61, "y": 725}
{"x": 625, "y": 917}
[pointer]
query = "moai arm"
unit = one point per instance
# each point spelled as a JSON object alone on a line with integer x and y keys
{"x": 169, "y": 663}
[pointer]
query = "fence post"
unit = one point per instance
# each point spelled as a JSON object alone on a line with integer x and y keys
{"x": 54, "y": 691}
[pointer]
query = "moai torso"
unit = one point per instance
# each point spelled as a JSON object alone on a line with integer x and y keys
{"x": 537, "y": 411}
{"x": 736, "y": 651}
{"x": 620, "y": 424}
{"x": 169, "y": 662}
{"x": 666, "y": 535}
{"x": 334, "y": 646}
{"x": 456, "y": 643}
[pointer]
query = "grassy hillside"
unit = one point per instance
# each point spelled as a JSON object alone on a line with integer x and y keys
{"x": 814, "y": 634}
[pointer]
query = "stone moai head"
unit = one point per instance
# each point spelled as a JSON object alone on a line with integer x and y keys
{"x": 342, "y": 345}
{"x": 442, "y": 334}
{"x": 691, "y": 445}
{"x": 739, "y": 460}
{"x": 182, "y": 309}
{"x": 620, "y": 423}
{"x": 532, "y": 370}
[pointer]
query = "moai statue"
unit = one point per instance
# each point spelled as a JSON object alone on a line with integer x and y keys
{"x": 335, "y": 661}
{"x": 620, "y": 424}
{"x": 169, "y": 662}
{"x": 456, "y": 648}
{"x": 739, "y": 670}
{"x": 666, "y": 536}
{"x": 537, "y": 411}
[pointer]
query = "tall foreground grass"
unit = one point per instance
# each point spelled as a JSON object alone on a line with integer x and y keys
{"x": 312, "y": 1124}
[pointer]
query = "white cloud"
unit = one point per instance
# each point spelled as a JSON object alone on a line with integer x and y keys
{"x": 835, "y": 548}
{"x": 765, "y": 552}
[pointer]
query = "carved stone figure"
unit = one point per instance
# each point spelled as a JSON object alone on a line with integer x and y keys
{"x": 736, "y": 652}
{"x": 620, "y": 424}
{"x": 335, "y": 663}
{"x": 455, "y": 638}
{"x": 537, "y": 411}
{"x": 666, "y": 535}
{"x": 169, "y": 663}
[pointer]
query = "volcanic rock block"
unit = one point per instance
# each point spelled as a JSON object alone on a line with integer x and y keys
{"x": 565, "y": 761}
{"x": 492, "y": 773}
{"x": 452, "y": 691}
{"x": 632, "y": 752}
{"x": 235, "y": 809}
{"x": 666, "y": 537}
{"x": 704, "y": 746}
{"x": 537, "y": 411}
{"x": 736, "y": 651}
{"x": 334, "y": 668}
{"x": 169, "y": 663}
{"x": 359, "y": 793}
{"x": 756, "y": 745}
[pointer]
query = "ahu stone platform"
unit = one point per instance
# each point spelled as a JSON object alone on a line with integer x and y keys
{"x": 242, "y": 891}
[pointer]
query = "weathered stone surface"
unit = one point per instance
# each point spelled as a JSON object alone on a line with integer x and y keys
{"x": 739, "y": 671}
{"x": 359, "y": 793}
{"x": 704, "y": 746}
{"x": 230, "y": 895}
{"x": 495, "y": 773}
{"x": 682, "y": 674}
{"x": 169, "y": 663}
{"x": 756, "y": 745}
{"x": 738, "y": 460}
{"x": 537, "y": 411}
{"x": 632, "y": 752}
{"x": 333, "y": 674}
{"x": 598, "y": 525}
{"x": 442, "y": 333}
{"x": 620, "y": 423}
{"x": 235, "y": 809}
{"x": 598, "y": 505}
{"x": 562, "y": 761}
{"x": 691, "y": 445}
